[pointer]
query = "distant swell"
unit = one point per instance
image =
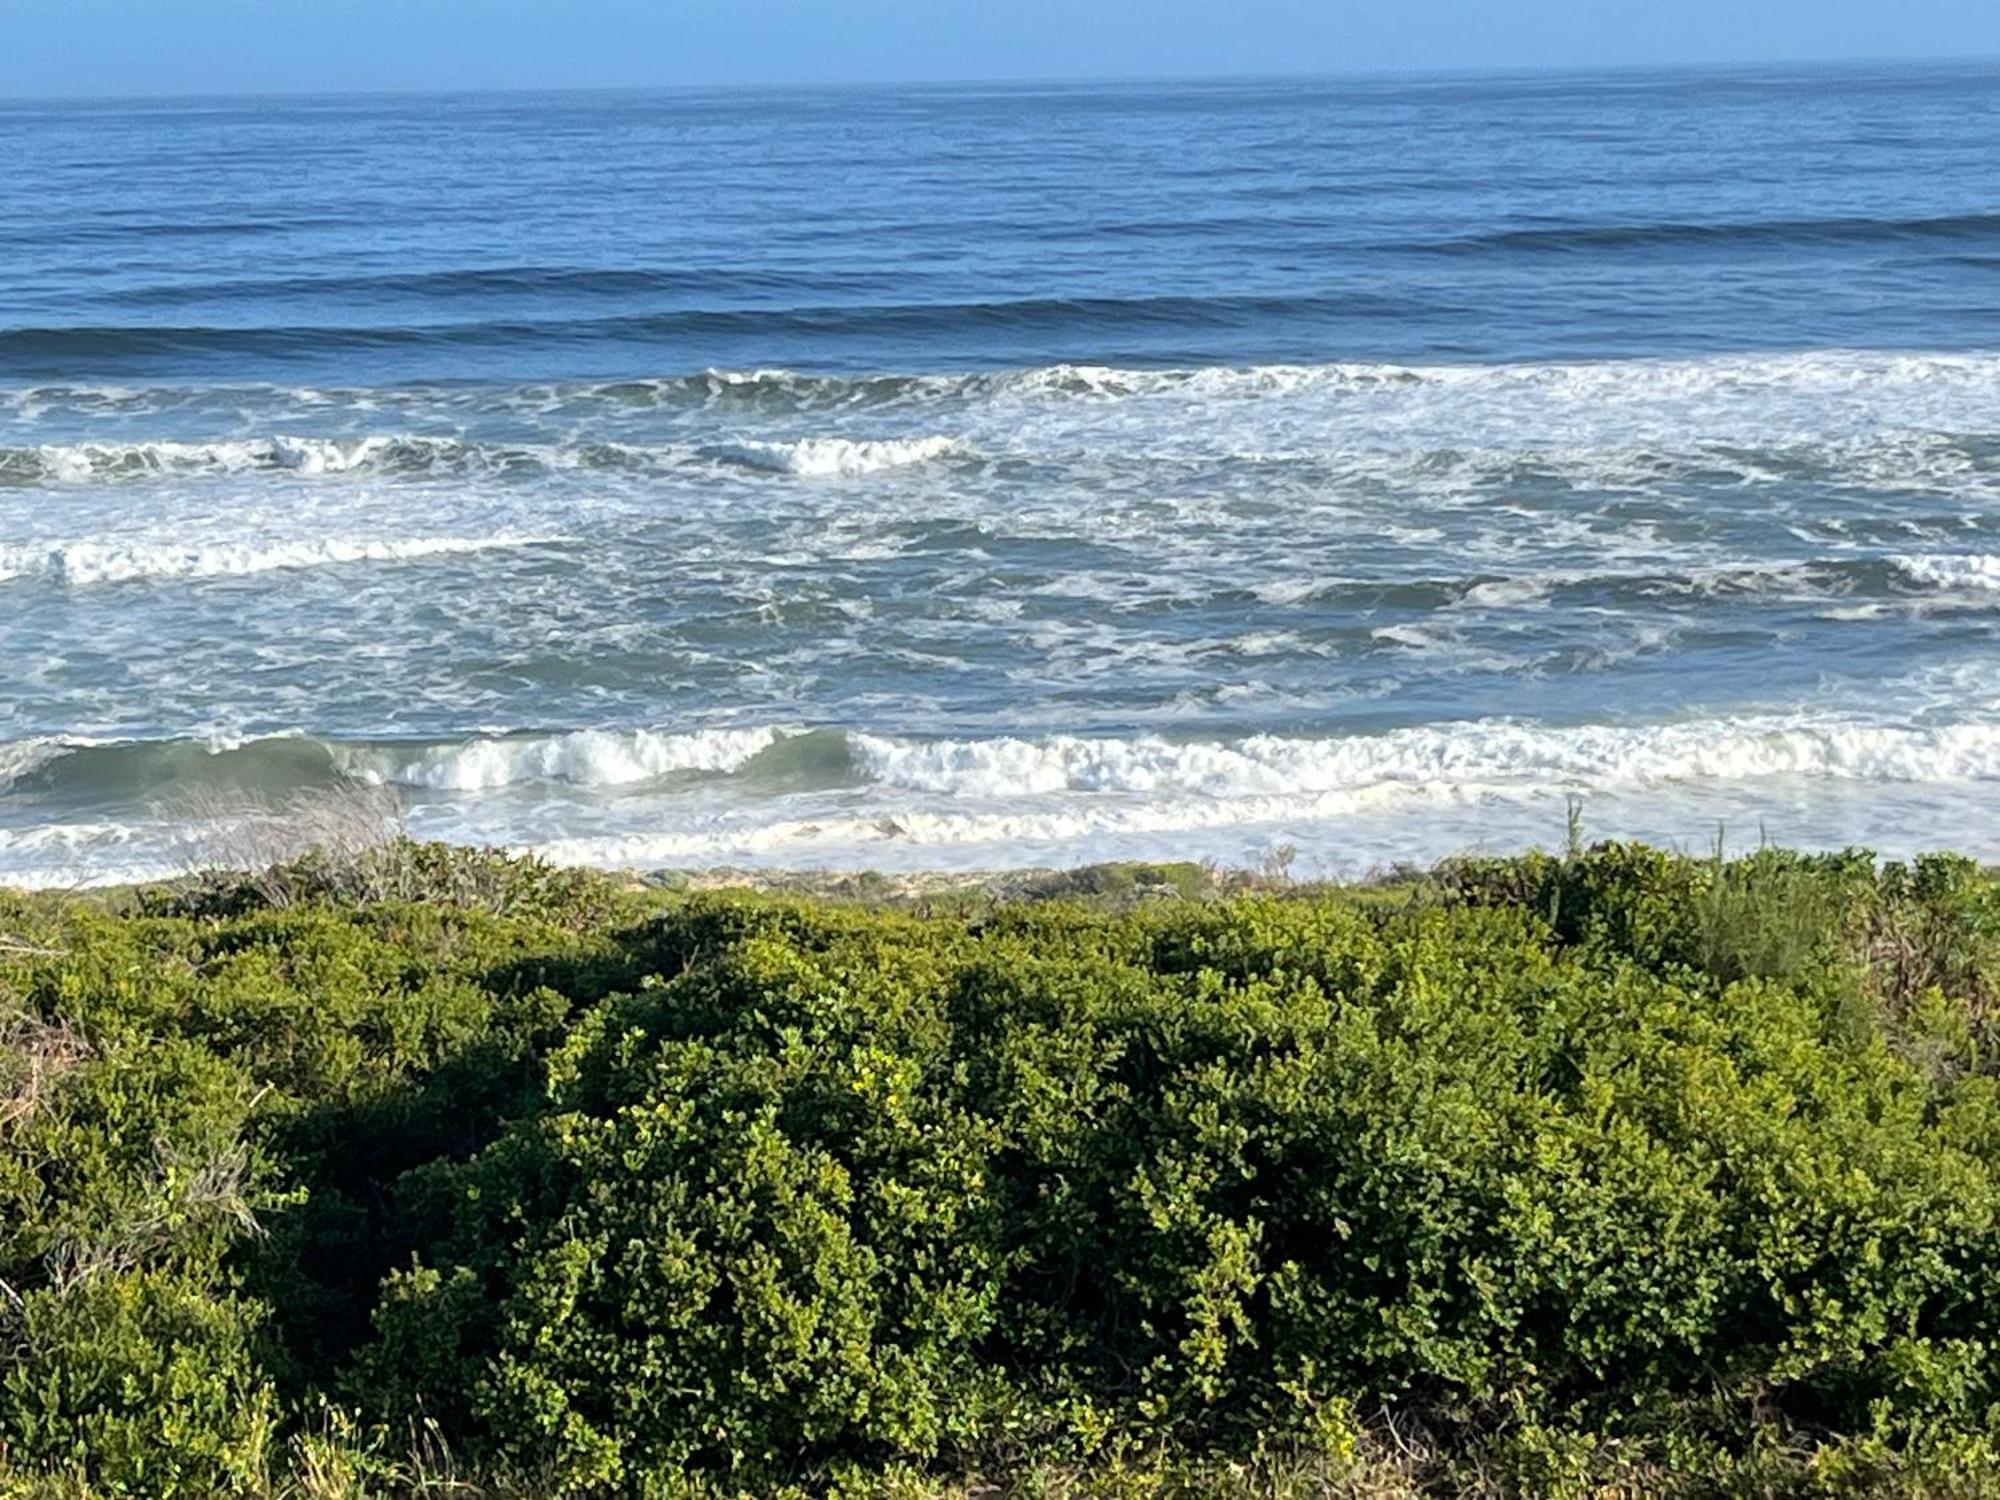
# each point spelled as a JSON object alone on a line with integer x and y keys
{"x": 1789, "y": 235}
{"x": 44, "y": 346}
{"x": 527, "y": 281}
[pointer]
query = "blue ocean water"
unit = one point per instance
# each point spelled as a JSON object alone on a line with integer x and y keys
{"x": 987, "y": 476}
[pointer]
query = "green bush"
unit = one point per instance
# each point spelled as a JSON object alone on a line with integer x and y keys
{"x": 148, "y": 1382}
{"x": 1610, "y": 1173}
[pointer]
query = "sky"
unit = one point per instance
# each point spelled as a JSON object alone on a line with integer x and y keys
{"x": 109, "y": 47}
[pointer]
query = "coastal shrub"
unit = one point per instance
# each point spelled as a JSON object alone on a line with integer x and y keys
{"x": 148, "y": 1383}
{"x": 1615, "y": 1172}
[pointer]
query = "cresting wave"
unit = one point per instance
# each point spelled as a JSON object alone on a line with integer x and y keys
{"x": 825, "y": 458}
{"x": 298, "y": 455}
{"x": 1490, "y": 752}
{"x": 378, "y": 454}
{"x": 1484, "y": 752}
{"x": 780, "y": 391}
{"x": 1979, "y": 572}
{"x": 588, "y": 757}
{"x": 414, "y": 455}
{"x": 79, "y": 564}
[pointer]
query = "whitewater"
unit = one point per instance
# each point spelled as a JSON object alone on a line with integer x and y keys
{"x": 986, "y": 478}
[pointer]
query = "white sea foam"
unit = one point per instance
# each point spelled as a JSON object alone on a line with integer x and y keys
{"x": 1843, "y": 418}
{"x": 374, "y": 454}
{"x": 834, "y": 457}
{"x": 1009, "y": 800}
{"x": 1509, "y": 593}
{"x": 1821, "y": 372}
{"x": 1408, "y": 637}
{"x": 1290, "y": 590}
{"x": 1579, "y": 513}
{"x": 19, "y": 757}
{"x": 82, "y": 563}
{"x": 1488, "y": 752}
{"x": 1971, "y": 571}
{"x": 70, "y": 856}
{"x": 584, "y": 758}
{"x": 1825, "y": 371}
{"x": 1007, "y": 835}
{"x": 1481, "y": 753}
{"x": 79, "y": 462}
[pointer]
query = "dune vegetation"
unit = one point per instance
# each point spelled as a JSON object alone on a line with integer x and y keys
{"x": 427, "y": 1172}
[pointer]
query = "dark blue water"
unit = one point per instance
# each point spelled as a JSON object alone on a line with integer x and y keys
{"x": 369, "y": 239}
{"x": 982, "y": 475}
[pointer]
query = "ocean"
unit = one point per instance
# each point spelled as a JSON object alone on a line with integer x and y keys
{"x": 1329, "y": 472}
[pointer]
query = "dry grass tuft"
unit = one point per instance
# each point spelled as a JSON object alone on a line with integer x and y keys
{"x": 178, "y": 1193}
{"x": 34, "y": 1056}
{"x": 348, "y": 825}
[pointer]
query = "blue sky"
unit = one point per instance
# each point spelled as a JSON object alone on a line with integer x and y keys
{"x": 63, "y": 47}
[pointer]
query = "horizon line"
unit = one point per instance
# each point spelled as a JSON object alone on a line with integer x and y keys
{"x": 1026, "y": 81}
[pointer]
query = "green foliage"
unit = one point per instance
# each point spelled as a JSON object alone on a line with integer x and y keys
{"x": 1610, "y": 1173}
{"x": 147, "y": 1381}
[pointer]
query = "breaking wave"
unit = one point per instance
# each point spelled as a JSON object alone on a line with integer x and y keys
{"x": 81, "y": 564}
{"x": 1977, "y": 572}
{"x": 407, "y": 455}
{"x": 1886, "y": 373}
{"x": 297, "y": 455}
{"x": 1487, "y": 752}
{"x": 827, "y": 457}
{"x": 589, "y": 757}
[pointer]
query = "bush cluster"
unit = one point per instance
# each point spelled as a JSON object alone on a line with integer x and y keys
{"x": 1614, "y": 1173}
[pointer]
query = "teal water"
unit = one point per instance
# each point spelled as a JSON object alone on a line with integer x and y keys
{"x": 984, "y": 476}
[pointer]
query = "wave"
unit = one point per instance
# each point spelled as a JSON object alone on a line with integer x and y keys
{"x": 826, "y": 457}
{"x": 587, "y": 757}
{"x": 20, "y": 757}
{"x": 1973, "y": 572}
{"x": 779, "y": 389}
{"x": 1031, "y": 316}
{"x": 421, "y": 456}
{"x": 386, "y": 454}
{"x": 1790, "y": 234}
{"x": 1955, "y": 464}
{"x": 69, "y": 856}
{"x": 1479, "y": 752}
{"x": 1485, "y": 752}
{"x": 79, "y": 564}
{"x": 1065, "y": 794}
{"x": 785, "y": 391}
{"x": 274, "y": 765}
{"x": 130, "y": 810}
{"x": 1798, "y": 580}
{"x": 1739, "y": 411}
{"x": 481, "y": 282}
{"x": 375, "y": 455}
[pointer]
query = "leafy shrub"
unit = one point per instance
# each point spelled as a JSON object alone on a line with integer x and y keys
{"x": 1609, "y": 1172}
{"x": 147, "y": 1382}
